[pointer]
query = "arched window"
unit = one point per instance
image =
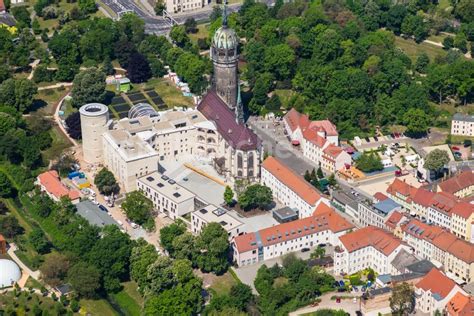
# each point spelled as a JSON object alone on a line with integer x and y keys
{"x": 201, "y": 138}
{"x": 250, "y": 160}
{"x": 211, "y": 140}
{"x": 211, "y": 151}
{"x": 239, "y": 173}
{"x": 250, "y": 173}
{"x": 240, "y": 161}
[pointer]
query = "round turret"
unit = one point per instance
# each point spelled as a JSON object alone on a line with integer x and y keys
{"x": 225, "y": 38}
{"x": 94, "y": 118}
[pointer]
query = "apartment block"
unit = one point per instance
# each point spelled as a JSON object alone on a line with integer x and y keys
{"x": 462, "y": 125}
{"x": 214, "y": 214}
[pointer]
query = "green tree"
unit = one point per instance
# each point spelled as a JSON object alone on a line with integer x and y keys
{"x": 159, "y": 277}
{"x": 88, "y": 87}
{"x": 7, "y": 123}
{"x": 111, "y": 255}
{"x": 184, "y": 247}
{"x": 160, "y": 6}
{"x": 213, "y": 246}
{"x": 106, "y": 183}
{"x": 416, "y": 121}
{"x": 436, "y": 160}
{"x": 255, "y": 195}
{"x": 138, "y": 209}
{"x": 448, "y": 42}
{"x": 87, "y": 6}
{"x": 422, "y": 62}
{"x": 320, "y": 173}
{"x": 169, "y": 233}
{"x": 279, "y": 60}
{"x": 6, "y": 187}
{"x": 228, "y": 195}
{"x": 332, "y": 180}
{"x": 38, "y": 240}
{"x": 179, "y": 36}
{"x": 465, "y": 10}
{"x": 138, "y": 68}
{"x": 85, "y": 279}
{"x": 241, "y": 295}
{"x": 183, "y": 299}
{"x": 142, "y": 256}
{"x": 10, "y": 227}
{"x": 17, "y": 93}
{"x": 54, "y": 269}
{"x": 191, "y": 68}
{"x": 190, "y": 25}
{"x": 402, "y": 301}
{"x": 319, "y": 252}
{"x": 369, "y": 162}
{"x": 293, "y": 267}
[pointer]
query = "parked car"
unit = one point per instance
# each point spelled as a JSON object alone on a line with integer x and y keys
{"x": 322, "y": 245}
{"x": 133, "y": 225}
{"x": 338, "y": 299}
{"x": 103, "y": 208}
{"x": 376, "y": 138}
{"x": 305, "y": 250}
{"x": 455, "y": 148}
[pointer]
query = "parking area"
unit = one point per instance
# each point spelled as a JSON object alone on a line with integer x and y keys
{"x": 247, "y": 274}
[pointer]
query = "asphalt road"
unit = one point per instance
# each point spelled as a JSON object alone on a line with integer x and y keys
{"x": 157, "y": 24}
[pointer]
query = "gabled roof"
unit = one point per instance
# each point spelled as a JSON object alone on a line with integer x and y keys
{"x": 296, "y": 120}
{"x": 313, "y": 137}
{"x": 443, "y": 202}
{"x": 51, "y": 182}
{"x": 376, "y": 237}
{"x": 423, "y": 197}
{"x": 461, "y": 305}
{"x": 238, "y": 136}
{"x": 379, "y": 196}
{"x": 394, "y": 219}
{"x": 455, "y": 246}
{"x": 422, "y": 230}
{"x": 387, "y": 206}
{"x": 333, "y": 151}
{"x": 437, "y": 283}
{"x": 457, "y": 183}
{"x": 292, "y": 180}
{"x": 403, "y": 188}
{"x": 325, "y": 219}
{"x": 463, "y": 209}
{"x": 402, "y": 260}
{"x": 2, "y": 6}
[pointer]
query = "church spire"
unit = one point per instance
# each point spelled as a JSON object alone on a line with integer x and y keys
{"x": 239, "y": 109}
{"x": 224, "y": 14}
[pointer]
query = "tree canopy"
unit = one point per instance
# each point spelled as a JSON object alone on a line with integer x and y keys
{"x": 139, "y": 209}
{"x": 106, "y": 183}
{"x": 255, "y": 195}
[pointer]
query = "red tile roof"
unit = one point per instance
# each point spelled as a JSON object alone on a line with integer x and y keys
{"x": 403, "y": 188}
{"x": 237, "y": 135}
{"x": 325, "y": 219}
{"x": 436, "y": 282}
{"x": 2, "y": 6}
{"x": 51, "y": 182}
{"x": 443, "y": 202}
{"x": 2, "y": 238}
{"x": 295, "y": 120}
{"x": 394, "y": 219}
{"x": 423, "y": 197}
{"x": 379, "y": 196}
{"x": 457, "y": 247}
{"x": 333, "y": 151}
{"x": 376, "y": 237}
{"x": 246, "y": 242}
{"x": 460, "y": 305}
{"x": 292, "y": 180}
{"x": 463, "y": 209}
{"x": 422, "y": 230}
{"x": 313, "y": 137}
{"x": 457, "y": 183}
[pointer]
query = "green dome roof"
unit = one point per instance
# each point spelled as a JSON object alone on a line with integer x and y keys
{"x": 225, "y": 38}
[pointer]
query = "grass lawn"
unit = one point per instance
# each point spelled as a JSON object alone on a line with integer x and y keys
{"x": 96, "y": 308}
{"x": 222, "y": 284}
{"x": 437, "y": 38}
{"x": 25, "y": 302}
{"x": 203, "y": 32}
{"x": 412, "y": 49}
{"x": 285, "y": 96}
{"x": 59, "y": 145}
{"x": 33, "y": 284}
{"x": 129, "y": 299}
{"x": 46, "y": 99}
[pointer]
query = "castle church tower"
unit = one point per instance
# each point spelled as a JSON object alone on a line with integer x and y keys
{"x": 225, "y": 58}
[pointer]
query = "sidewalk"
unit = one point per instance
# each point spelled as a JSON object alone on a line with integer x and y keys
{"x": 11, "y": 252}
